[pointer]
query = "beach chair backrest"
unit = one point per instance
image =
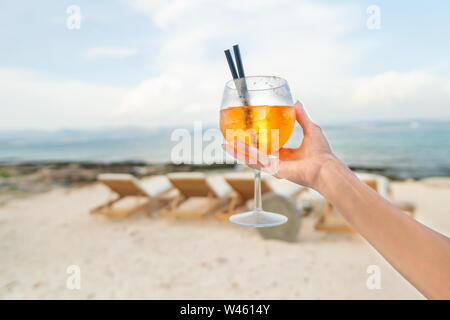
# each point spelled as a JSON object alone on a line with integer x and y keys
{"x": 155, "y": 185}
{"x": 122, "y": 184}
{"x": 191, "y": 184}
{"x": 245, "y": 185}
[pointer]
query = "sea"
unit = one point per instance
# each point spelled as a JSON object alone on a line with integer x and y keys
{"x": 412, "y": 149}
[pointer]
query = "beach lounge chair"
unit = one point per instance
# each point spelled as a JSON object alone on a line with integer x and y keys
{"x": 332, "y": 221}
{"x": 198, "y": 195}
{"x": 243, "y": 185}
{"x": 132, "y": 195}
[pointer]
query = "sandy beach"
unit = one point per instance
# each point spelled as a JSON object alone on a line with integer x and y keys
{"x": 160, "y": 258}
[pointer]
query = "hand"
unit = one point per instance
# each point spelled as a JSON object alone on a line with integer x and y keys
{"x": 301, "y": 165}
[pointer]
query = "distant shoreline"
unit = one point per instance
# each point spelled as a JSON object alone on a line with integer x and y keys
{"x": 142, "y": 168}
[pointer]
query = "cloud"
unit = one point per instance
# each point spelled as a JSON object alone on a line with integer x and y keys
{"x": 110, "y": 52}
{"x": 29, "y": 100}
{"x": 416, "y": 94}
{"x": 296, "y": 40}
{"x": 306, "y": 42}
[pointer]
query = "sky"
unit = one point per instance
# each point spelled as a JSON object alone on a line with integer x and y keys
{"x": 153, "y": 64}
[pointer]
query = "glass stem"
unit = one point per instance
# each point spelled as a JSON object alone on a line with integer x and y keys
{"x": 258, "y": 203}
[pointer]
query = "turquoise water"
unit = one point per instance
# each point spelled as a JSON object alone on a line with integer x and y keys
{"x": 410, "y": 152}
{"x": 417, "y": 149}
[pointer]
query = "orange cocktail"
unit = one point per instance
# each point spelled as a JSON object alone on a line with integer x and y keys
{"x": 266, "y": 128}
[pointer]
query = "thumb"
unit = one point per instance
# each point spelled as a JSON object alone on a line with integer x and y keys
{"x": 301, "y": 116}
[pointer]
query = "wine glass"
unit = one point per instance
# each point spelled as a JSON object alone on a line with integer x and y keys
{"x": 262, "y": 117}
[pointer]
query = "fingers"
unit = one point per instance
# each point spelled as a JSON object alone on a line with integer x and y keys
{"x": 241, "y": 156}
{"x": 254, "y": 153}
{"x": 253, "y": 157}
{"x": 302, "y": 117}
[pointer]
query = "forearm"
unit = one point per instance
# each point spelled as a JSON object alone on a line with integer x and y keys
{"x": 421, "y": 255}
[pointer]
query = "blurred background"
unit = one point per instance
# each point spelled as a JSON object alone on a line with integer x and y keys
{"x": 99, "y": 87}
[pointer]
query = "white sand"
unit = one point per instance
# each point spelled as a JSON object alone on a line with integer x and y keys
{"x": 156, "y": 258}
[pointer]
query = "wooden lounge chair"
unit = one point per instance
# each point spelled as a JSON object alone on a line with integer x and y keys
{"x": 198, "y": 195}
{"x": 333, "y": 222}
{"x": 132, "y": 195}
{"x": 243, "y": 185}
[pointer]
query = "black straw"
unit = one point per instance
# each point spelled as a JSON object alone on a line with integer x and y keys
{"x": 231, "y": 64}
{"x": 239, "y": 80}
{"x": 237, "y": 56}
{"x": 240, "y": 67}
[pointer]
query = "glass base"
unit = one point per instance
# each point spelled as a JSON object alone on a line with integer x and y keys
{"x": 258, "y": 219}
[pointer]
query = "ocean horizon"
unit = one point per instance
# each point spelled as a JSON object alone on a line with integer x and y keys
{"x": 410, "y": 149}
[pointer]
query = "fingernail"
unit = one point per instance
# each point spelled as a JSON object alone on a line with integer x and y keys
{"x": 306, "y": 111}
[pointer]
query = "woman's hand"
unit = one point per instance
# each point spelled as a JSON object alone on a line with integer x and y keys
{"x": 301, "y": 165}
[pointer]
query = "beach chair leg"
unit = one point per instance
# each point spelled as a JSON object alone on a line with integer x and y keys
{"x": 172, "y": 205}
{"x": 100, "y": 209}
{"x": 175, "y": 202}
{"x": 167, "y": 203}
{"x": 149, "y": 207}
{"x": 323, "y": 225}
{"x": 230, "y": 209}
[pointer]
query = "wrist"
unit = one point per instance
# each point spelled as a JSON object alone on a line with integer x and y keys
{"x": 329, "y": 169}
